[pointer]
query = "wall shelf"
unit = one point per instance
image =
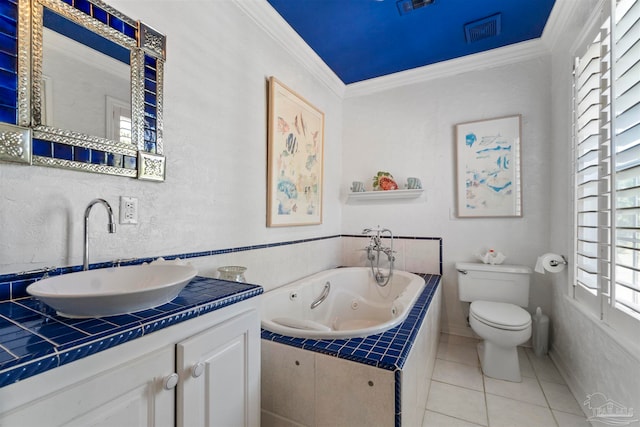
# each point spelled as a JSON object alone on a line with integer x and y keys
{"x": 385, "y": 195}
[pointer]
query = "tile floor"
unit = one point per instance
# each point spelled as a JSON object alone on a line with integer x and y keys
{"x": 461, "y": 396}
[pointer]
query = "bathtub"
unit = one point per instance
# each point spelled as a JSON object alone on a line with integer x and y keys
{"x": 355, "y": 306}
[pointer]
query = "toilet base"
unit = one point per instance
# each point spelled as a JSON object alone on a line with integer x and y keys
{"x": 499, "y": 362}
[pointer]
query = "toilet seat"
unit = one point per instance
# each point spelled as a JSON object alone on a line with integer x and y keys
{"x": 500, "y": 315}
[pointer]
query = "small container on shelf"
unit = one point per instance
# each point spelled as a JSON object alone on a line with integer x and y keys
{"x": 357, "y": 187}
{"x": 233, "y": 273}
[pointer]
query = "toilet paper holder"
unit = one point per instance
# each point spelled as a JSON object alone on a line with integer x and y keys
{"x": 555, "y": 263}
{"x": 551, "y": 262}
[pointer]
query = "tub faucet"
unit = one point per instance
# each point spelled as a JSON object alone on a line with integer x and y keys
{"x": 375, "y": 241}
{"x": 111, "y": 228}
{"x": 388, "y": 250}
{"x": 373, "y": 253}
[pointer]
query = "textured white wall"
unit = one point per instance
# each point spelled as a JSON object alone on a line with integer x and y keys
{"x": 215, "y": 139}
{"x": 588, "y": 352}
{"x": 410, "y": 132}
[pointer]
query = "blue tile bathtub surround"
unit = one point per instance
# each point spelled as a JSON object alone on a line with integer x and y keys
{"x": 388, "y": 350}
{"x": 33, "y": 339}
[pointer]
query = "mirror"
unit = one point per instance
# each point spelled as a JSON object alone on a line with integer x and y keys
{"x": 92, "y": 88}
{"x": 84, "y": 87}
{"x": 87, "y": 79}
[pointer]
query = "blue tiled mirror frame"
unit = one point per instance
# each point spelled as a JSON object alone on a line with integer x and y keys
{"x": 23, "y": 137}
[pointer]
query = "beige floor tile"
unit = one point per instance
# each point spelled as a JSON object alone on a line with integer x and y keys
{"x": 526, "y": 369}
{"x": 433, "y": 419}
{"x": 457, "y": 402}
{"x": 505, "y": 412}
{"x": 569, "y": 420}
{"x": 458, "y": 340}
{"x": 526, "y": 391}
{"x": 458, "y": 374}
{"x": 267, "y": 419}
{"x": 544, "y": 368}
{"x": 559, "y": 397}
{"x": 456, "y": 397}
{"x": 461, "y": 353}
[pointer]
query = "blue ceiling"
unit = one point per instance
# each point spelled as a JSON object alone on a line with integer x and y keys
{"x": 363, "y": 39}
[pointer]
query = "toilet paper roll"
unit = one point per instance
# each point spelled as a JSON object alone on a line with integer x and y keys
{"x": 553, "y": 263}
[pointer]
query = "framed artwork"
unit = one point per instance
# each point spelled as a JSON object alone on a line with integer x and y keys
{"x": 488, "y": 168}
{"x": 295, "y": 159}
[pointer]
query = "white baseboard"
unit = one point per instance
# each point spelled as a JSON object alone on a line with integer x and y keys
{"x": 463, "y": 331}
{"x": 574, "y": 386}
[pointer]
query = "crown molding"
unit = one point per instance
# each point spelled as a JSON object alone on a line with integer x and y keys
{"x": 266, "y": 18}
{"x": 556, "y": 24}
{"x": 480, "y": 61}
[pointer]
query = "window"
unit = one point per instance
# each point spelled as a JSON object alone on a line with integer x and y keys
{"x": 124, "y": 127}
{"x": 606, "y": 94}
{"x": 118, "y": 120}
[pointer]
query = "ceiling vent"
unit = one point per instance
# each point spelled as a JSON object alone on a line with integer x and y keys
{"x": 482, "y": 28}
{"x": 406, "y": 6}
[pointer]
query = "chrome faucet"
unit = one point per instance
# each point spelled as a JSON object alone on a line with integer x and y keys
{"x": 376, "y": 245}
{"x": 373, "y": 253}
{"x": 111, "y": 228}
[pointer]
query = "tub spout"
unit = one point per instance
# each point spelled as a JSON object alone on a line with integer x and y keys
{"x": 323, "y": 296}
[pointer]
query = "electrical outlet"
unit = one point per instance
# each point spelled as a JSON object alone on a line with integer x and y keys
{"x": 128, "y": 210}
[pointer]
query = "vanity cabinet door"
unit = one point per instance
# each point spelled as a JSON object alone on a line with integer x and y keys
{"x": 220, "y": 375}
{"x": 131, "y": 394}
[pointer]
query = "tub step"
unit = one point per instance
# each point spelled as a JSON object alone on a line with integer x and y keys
{"x": 309, "y": 325}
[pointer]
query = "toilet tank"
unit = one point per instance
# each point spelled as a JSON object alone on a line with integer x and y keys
{"x": 499, "y": 283}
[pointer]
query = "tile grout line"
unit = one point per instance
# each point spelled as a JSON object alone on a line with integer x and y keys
{"x": 8, "y": 351}
{"x": 24, "y": 328}
{"x": 546, "y": 399}
{"x": 538, "y": 380}
{"x": 484, "y": 388}
{"x": 454, "y": 417}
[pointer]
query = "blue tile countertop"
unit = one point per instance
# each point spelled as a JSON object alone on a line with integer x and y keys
{"x": 387, "y": 350}
{"x": 33, "y": 339}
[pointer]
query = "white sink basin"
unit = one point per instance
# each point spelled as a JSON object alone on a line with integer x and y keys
{"x": 112, "y": 291}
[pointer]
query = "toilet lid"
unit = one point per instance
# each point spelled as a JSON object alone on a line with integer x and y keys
{"x": 500, "y": 315}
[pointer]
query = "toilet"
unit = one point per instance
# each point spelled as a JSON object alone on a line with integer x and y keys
{"x": 497, "y": 294}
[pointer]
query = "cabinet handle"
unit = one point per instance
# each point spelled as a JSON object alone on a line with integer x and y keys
{"x": 197, "y": 370}
{"x": 171, "y": 381}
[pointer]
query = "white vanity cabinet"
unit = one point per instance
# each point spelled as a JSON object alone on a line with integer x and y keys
{"x": 126, "y": 395}
{"x": 204, "y": 371}
{"x": 217, "y": 375}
